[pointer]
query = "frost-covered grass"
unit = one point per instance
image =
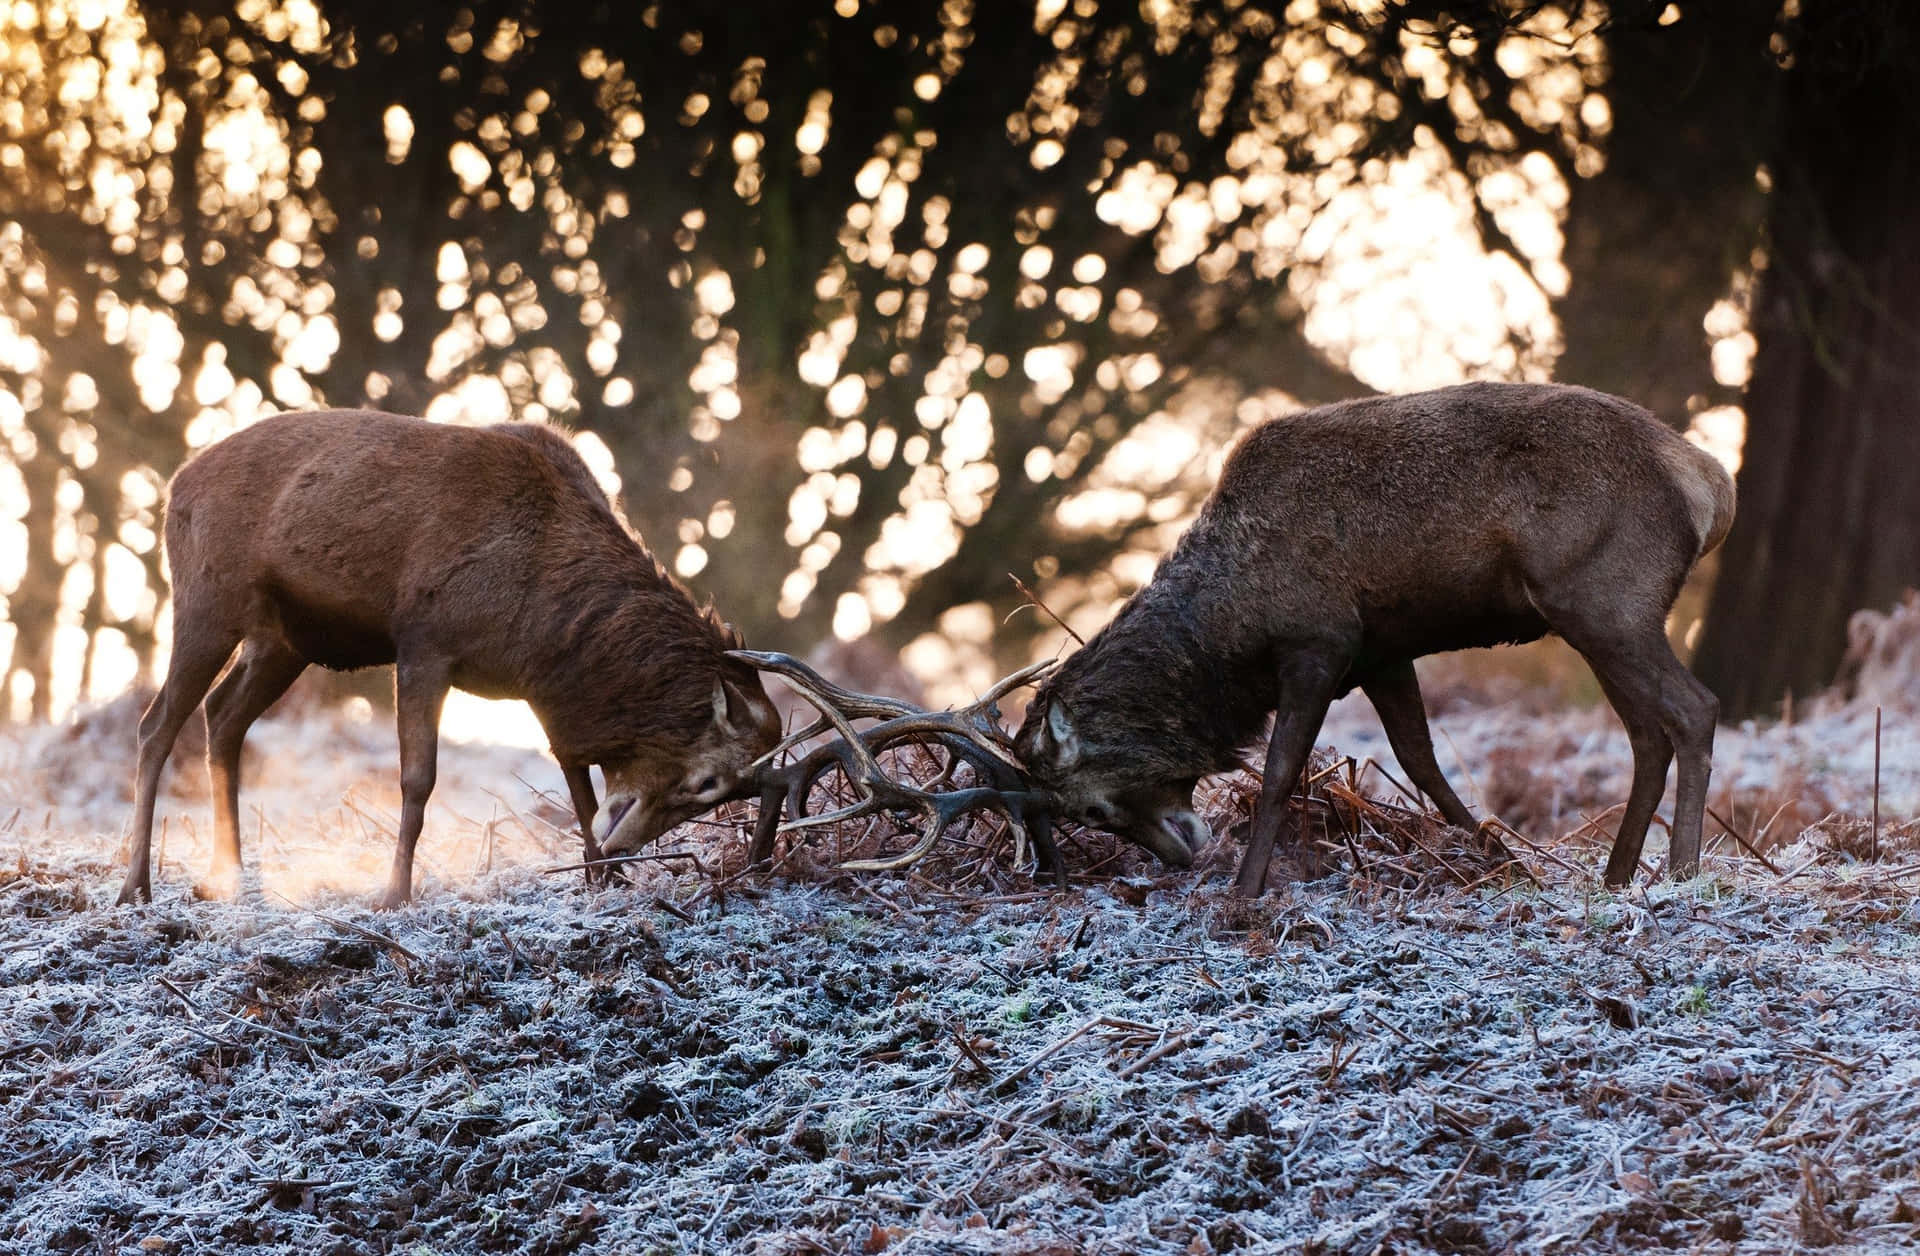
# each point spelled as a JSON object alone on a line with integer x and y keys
{"x": 1412, "y": 1051}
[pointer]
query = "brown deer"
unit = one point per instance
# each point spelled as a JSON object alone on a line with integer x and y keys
{"x": 1346, "y": 541}
{"x": 485, "y": 558}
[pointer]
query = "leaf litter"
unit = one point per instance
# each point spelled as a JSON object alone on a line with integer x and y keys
{"x": 1420, "y": 1040}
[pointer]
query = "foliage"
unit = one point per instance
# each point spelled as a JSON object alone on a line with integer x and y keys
{"x": 855, "y": 295}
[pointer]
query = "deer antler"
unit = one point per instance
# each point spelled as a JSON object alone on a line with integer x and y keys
{"x": 970, "y": 734}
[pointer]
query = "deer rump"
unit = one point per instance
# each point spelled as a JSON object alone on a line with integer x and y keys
{"x": 483, "y": 558}
{"x": 1343, "y": 542}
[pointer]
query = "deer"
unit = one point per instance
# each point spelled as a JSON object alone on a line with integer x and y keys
{"x": 1343, "y": 542}
{"x": 485, "y": 558}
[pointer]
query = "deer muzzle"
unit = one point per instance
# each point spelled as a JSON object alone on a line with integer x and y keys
{"x": 1174, "y": 836}
{"x": 626, "y": 824}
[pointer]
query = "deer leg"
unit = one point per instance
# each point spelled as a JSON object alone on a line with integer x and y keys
{"x": 1652, "y": 753}
{"x": 585, "y": 807}
{"x": 420, "y": 687}
{"x": 1046, "y": 852}
{"x": 766, "y": 825}
{"x": 1307, "y": 683}
{"x": 197, "y": 659}
{"x": 1394, "y": 691}
{"x": 1688, "y": 713}
{"x": 1666, "y": 711}
{"x": 264, "y": 671}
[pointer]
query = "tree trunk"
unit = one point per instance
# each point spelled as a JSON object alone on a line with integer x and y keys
{"x": 1829, "y": 513}
{"x": 1653, "y": 239}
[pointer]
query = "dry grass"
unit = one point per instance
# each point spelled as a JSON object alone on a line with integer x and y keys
{"x": 1423, "y": 1040}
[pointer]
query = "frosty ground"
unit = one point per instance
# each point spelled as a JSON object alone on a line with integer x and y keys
{"x": 1404, "y": 1047}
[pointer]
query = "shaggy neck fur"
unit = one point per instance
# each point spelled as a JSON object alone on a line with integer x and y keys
{"x": 1163, "y": 684}
{"x": 633, "y": 663}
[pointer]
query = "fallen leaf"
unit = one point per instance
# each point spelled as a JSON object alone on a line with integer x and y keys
{"x": 1636, "y": 1183}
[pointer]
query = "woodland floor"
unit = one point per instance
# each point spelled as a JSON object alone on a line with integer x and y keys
{"x": 1404, "y": 1047}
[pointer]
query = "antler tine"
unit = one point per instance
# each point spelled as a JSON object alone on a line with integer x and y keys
{"x": 838, "y": 707}
{"x": 953, "y": 728}
{"x": 855, "y": 704}
{"x": 1015, "y": 680}
{"x": 972, "y": 733}
{"x": 975, "y": 725}
{"x": 940, "y": 814}
{"x": 1023, "y": 807}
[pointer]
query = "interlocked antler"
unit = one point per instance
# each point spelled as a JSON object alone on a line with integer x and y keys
{"x": 971, "y": 734}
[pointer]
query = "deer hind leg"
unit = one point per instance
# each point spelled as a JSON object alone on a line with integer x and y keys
{"x": 199, "y": 652}
{"x": 419, "y": 690}
{"x": 1308, "y": 679}
{"x": 1689, "y": 713}
{"x": 1394, "y": 691}
{"x": 1652, "y": 753}
{"x": 1668, "y": 714}
{"x": 263, "y": 672}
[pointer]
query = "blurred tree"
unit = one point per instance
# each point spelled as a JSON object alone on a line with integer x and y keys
{"x": 1669, "y": 220}
{"x": 1829, "y": 516}
{"x": 858, "y": 296}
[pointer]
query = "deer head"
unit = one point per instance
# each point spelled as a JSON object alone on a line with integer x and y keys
{"x": 1109, "y": 786}
{"x": 650, "y": 793}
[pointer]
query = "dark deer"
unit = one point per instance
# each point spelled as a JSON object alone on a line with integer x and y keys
{"x": 484, "y": 558}
{"x": 1346, "y": 541}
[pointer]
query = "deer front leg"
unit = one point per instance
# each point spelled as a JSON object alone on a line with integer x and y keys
{"x": 585, "y": 808}
{"x": 420, "y": 688}
{"x": 766, "y": 826}
{"x": 198, "y": 655}
{"x": 1307, "y": 685}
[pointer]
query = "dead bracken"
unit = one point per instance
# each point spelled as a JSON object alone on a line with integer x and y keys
{"x": 1423, "y": 1039}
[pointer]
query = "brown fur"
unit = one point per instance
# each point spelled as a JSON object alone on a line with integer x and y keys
{"x": 483, "y": 558}
{"x": 1343, "y": 542}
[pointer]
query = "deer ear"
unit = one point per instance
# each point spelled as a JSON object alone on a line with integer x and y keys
{"x": 1066, "y": 742}
{"x": 733, "y": 707}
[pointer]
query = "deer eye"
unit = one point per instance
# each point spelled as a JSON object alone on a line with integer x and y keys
{"x": 707, "y": 785}
{"x": 1095, "y": 815}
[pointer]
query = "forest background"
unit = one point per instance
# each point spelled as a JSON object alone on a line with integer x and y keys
{"x": 864, "y": 306}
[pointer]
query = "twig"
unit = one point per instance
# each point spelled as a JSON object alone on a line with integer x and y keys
{"x": 1029, "y": 594}
{"x": 1179, "y": 1042}
{"x": 370, "y": 935}
{"x": 262, "y": 1026}
{"x": 1876, "y": 784}
{"x": 673, "y": 909}
{"x": 1786, "y": 1107}
{"x": 1466, "y": 769}
{"x": 980, "y": 1066}
{"x": 1749, "y": 847}
{"x": 610, "y": 860}
{"x": 1593, "y": 822}
{"x": 1406, "y": 791}
{"x": 1015, "y": 1077}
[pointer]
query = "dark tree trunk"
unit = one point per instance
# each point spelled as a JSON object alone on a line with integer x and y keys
{"x": 1653, "y": 239}
{"x": 1829, "y": 514}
